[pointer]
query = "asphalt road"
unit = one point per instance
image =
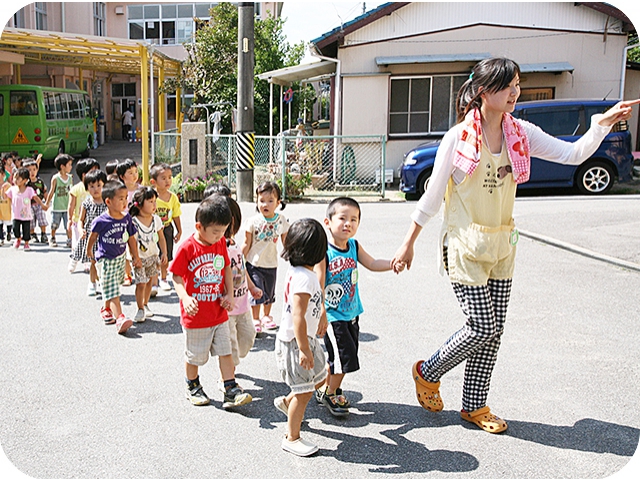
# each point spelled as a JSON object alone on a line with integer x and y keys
{"x": 78, "y": 400}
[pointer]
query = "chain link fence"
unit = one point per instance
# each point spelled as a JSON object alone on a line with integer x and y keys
{"x": 304, "y": 166}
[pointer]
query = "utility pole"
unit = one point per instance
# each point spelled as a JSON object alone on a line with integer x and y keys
{"x": 245, "y": 133}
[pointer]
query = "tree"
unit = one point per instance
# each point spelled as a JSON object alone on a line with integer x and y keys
{"x": 633, "y": 55}
{"x": 212, "y": 62}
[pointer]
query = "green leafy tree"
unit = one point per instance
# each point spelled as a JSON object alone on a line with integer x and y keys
{"x": 212, "y": 63}
{"x": 633, "y": 55}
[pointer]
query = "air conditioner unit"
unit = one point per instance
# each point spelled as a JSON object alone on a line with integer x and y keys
{"x": 119, "y": 10}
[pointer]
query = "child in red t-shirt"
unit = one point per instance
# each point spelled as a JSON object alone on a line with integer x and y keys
{"x": 204, "y": 283}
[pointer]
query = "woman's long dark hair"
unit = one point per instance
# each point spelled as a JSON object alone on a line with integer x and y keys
{"x": 493, "y": 75}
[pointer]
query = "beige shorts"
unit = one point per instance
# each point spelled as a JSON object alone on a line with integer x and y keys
{"x": 150, "y": 268}
{"x": 243, "y": 334}
{"x": 288, "y": 360}
{"x": 200, "y": 343}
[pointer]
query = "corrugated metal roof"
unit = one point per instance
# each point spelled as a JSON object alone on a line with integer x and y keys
{"x": 553, "y": 67}
{"x": 408, "y": 59}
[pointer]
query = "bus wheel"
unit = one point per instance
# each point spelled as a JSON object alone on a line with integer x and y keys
{"x": 61, "y": 148}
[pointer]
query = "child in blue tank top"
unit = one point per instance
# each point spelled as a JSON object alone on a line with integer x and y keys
{"x": 338, "y": 274}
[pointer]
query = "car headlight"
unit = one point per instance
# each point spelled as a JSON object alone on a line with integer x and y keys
{"x": 409, "y": 160}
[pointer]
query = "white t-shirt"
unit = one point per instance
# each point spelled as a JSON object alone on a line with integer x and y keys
{"x": 265, "y": 233}
{"x": 300, "y": 280}
{"x": 148, "y": 237}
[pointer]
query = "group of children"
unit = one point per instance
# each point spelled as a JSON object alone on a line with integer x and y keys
{"x": 223, "y": 287}
{"x": 226, "y": 289}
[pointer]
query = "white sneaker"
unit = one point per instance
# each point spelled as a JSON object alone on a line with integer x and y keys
{"x": 147, "y": 313}
{"x": 91, "y": 290}
{"x": 2, "y": 242}
{"x": 164, "y": 285}
{"x": 139, "y": 318}
{"x": 72, "y": 265}
{"x": 154, "y": 291}
{"x": 278, "y": 402}
{"x": 299, "y": 447}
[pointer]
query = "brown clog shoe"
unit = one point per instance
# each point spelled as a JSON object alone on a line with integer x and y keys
{"x": 428, "y": 393}
{"x": 486, "y": 420}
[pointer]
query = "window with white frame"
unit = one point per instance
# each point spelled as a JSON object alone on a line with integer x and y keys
{"x": 41, "y": 15}
{"x": 166, "y": 24}
{"x": 423, "y": 105}
{"x": 99, "y": 18}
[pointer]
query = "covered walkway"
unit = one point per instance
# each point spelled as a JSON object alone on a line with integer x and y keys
{"x": 92, "y": 53}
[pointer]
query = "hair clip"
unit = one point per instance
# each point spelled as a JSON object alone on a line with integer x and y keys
{"x": 471, "y": 76}
{"x": 135, "y": 204}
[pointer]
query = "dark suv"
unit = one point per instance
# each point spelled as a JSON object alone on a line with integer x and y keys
{"x": 565, "y": 119}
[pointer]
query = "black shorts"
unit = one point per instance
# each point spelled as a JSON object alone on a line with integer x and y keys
{"x": 342, "y": 338}
{"x": 168, "y": 237}
{"x": 265, "y": 280}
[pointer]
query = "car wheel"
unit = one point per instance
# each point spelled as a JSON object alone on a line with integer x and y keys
{"x": 423, "y": 181}
{"x": 594, "y": 178}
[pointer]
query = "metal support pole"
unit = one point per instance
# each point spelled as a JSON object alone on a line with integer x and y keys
{"x": 152, "y": 110}
{"x": 144, "y": 113}
{"x": 245, "y": 132}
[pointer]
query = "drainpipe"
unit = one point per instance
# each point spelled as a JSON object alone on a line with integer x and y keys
{"x": 64, "y": 18}
{"x": 338, "y": 94}
{"x": 624, "y": 68}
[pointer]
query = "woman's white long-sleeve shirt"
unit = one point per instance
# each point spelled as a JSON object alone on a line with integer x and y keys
{"x": 542, "y": 145}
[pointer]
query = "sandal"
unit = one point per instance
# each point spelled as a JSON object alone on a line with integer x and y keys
{"x": 486, "y": 420}
{"x": 428, "y": 393}
{"x": 257, "y": 325}
{"x": 268, "y": 323}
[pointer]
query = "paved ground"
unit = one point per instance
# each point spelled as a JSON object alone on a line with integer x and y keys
{"x": 77, "y": 400}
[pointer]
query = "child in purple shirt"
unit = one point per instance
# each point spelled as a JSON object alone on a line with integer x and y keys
{"x": 113, "y": 231}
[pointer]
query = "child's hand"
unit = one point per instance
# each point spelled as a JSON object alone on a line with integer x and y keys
{"x": 226, "y": 301}
{"x": 176, "y": 237}
{"x": 137, "y": 263}
{"x": 45, "y": 207}
{"x": 255, "y": 292}
{"x": 190, "y": 305}
{"x": 398, "y": 266}
{"x": 164, "y": 260}
{"x": 82, "y": 233}
{"x": 323, "y": 324}
{"x": 306, "y": 359}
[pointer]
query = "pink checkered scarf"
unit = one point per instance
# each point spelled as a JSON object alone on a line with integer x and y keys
{"x": 467, "y": 154}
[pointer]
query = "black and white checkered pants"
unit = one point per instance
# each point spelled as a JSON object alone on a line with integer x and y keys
{"x": 477, "y": 342}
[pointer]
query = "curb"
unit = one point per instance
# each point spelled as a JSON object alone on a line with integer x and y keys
{"x": 581, "y": 251}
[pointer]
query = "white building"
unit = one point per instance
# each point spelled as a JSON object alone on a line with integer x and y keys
{"x": 400, "y": 66}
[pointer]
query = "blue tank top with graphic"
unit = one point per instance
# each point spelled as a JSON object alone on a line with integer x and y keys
{"x": 342, "y": 300}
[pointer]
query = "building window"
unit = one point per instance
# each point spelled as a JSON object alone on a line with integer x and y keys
{"x": 422, "y": 105}
{"x": 123, "y": 89}
{"x": 18, "y": 19}
{"x": 99, "y": 18}
{"x": 166, "y": 24}
{"x": 528, "y": 94}
{"x": 41, "y": 16}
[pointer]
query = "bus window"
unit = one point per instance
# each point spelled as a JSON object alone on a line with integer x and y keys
{"x": 59, "y": 107}
{"x": 49, "y": 105}
{"x": 87, "y": 106}
{"x": 24, "y": 103}
{"x": 74, "y": 109}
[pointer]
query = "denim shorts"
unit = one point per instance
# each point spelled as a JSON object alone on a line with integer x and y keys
{"x": 57, "y": 218}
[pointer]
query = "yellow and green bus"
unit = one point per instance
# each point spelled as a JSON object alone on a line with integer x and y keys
{"x": 46, "y": 120}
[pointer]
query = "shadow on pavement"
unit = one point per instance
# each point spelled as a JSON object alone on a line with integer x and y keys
{"x": 586, "y": 435}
